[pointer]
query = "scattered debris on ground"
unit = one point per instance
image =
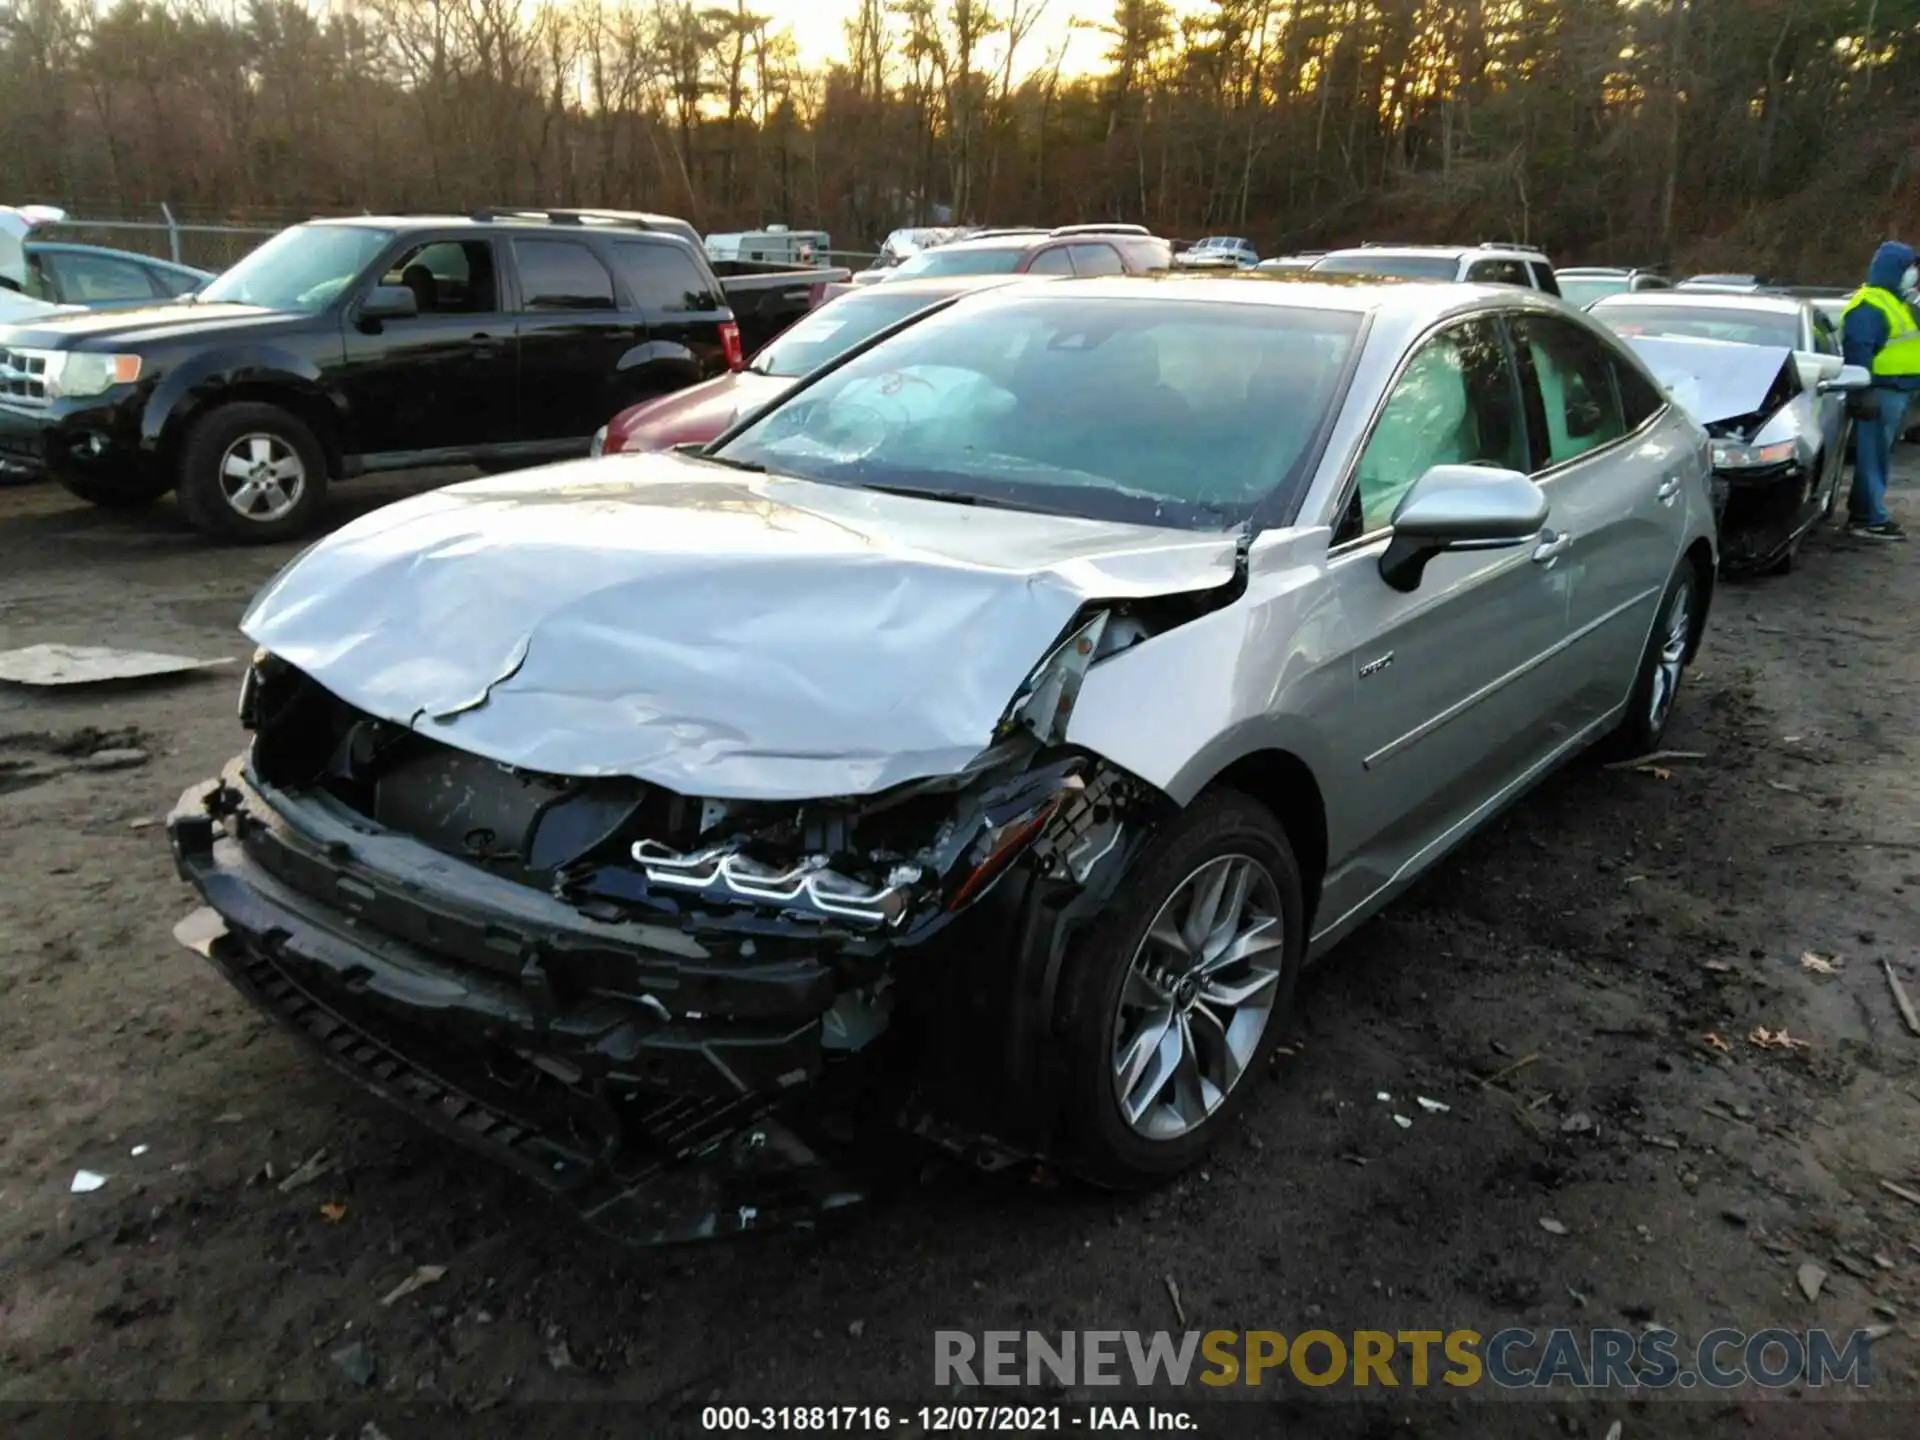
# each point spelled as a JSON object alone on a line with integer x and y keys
{"x": 49, "y": 665}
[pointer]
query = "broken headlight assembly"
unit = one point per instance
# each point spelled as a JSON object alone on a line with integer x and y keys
{"x": 1012, "y": 800}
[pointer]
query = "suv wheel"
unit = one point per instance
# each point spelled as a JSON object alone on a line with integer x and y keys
{"x": 252, "y": 473}
{"x": 116, "y": 494}
{"x": 1173, "y": 1001}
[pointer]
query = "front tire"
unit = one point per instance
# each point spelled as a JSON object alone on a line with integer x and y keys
{"x": 1662, "y": 667}
{"x": 252, "y": 473}
{"x": 1173, "y": 1001}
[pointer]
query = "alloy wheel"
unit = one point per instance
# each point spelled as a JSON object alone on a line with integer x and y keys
{"x": 1198, "y": 994}
{"x": 262, "y": 477}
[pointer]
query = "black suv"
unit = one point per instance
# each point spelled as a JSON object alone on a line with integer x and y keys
{"x": 345, "y": 346}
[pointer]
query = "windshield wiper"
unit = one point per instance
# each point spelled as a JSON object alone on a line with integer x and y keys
{"x": 949, "y": 497}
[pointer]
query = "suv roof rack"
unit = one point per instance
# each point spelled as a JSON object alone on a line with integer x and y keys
{"x": 994, "y": 231}
{"x": 1508, "y": 245}
{"x": 1101, "y": 227}
{"x": 487, "y": 214}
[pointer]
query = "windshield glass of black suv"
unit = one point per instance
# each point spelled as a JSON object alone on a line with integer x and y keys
{"x": 304, "y": 268}
{"x": 1158, "y": 411}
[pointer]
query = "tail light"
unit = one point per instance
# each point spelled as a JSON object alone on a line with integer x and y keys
{"x": 730, "y": 344}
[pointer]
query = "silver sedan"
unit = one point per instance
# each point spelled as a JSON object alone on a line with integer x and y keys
{"x": 1033, "y": 691}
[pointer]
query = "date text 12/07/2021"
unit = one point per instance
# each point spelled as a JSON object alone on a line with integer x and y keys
{"x": 945, "y": 1419}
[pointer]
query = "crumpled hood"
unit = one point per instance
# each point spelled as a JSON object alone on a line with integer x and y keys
{"x": 1712, "y": 379}
{"x": 715, "y": 632}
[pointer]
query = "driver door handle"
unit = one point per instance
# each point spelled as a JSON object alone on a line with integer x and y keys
{"x": 1551, "y": 547}
{"x": 485, "y": 343}
{"x": 1669, "y": 490}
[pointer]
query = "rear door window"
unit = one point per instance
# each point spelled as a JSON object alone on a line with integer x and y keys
{"x": 663, "y": 276}
{"x": 1051, "y": 262}
{"x": 1569, "y": 376}
{"x": 1095, "y": 260}
{"x": 1499, "y": 272}
{"x": 561, "y": 275}
{"x": 1543, "y": 278}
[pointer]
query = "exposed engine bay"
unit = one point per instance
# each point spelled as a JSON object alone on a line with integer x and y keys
{"x": 892, "y": 867}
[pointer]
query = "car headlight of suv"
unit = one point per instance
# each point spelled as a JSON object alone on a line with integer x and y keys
{"x": 78, "y": 374}
{"x": 1730, "y": 455}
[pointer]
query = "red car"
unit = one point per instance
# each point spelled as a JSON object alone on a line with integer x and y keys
{"x": 701, "y": 412}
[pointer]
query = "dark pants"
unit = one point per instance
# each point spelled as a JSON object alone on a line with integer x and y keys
{"x": 1872, "y": 454}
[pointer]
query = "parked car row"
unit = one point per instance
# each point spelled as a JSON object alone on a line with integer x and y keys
{"x": 991, "y": 721}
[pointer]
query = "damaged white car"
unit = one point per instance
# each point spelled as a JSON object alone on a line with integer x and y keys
{"x": 982, "y": 737}
{"x": 1763, "y": 374}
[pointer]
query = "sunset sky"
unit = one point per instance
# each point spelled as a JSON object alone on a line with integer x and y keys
{"x": 818, "y": 27}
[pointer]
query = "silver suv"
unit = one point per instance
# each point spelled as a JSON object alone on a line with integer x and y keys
{"x": 1488, "y": 264}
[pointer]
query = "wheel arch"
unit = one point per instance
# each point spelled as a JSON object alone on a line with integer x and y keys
{"x": 1284, "y": 783}
{"x": 1700, "y": 556}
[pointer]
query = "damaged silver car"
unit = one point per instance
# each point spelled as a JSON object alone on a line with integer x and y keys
{"x": 979, "y": 740}
{"x": 1763, "y": 374}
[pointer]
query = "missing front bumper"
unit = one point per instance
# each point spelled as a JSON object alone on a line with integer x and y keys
{"x": 478, "y": 1062}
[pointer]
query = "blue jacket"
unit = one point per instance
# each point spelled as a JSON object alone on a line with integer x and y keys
{"x": 1865, "y": 330}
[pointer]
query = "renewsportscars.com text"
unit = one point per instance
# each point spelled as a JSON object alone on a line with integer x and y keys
{"x": 1511, "y": 1359}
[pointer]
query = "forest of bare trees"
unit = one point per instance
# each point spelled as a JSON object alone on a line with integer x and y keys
{"x": 1758, "y": 133}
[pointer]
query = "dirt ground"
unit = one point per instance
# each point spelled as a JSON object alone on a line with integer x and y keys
{"x": 1614, "y": 926}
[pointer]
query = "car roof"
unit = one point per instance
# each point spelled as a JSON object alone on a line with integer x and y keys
{"x": 1405, "y": 307}
{"x": 74, "y": 246}
{"x": 1019, "y": 240}
{"x": 606, "y": 222}
{"x": 939, "y": 286}
{"x": 1748, "y": 300}
{"x": 1459, "y": 251}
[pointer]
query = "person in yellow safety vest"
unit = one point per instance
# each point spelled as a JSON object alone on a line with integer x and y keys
{"x": 1879, "y": 331}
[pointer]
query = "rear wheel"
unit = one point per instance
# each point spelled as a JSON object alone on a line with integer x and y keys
{"x": 1173, "y": 1001}
{"x": 1662, "y": 667}
{"x": 252, "y": 473}
{"x": 118, "y": 493}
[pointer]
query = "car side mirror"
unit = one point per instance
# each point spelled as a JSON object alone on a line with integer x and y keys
{"x": 1848, "y": 377}
{"x": 390, "y": 302}
{"x": 1459, "y": 507}
{"x": 1815, "y": 368}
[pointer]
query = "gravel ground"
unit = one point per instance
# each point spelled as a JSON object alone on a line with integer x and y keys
{"x": 1615, "y": 925}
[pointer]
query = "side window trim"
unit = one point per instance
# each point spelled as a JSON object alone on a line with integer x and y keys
{"x": 1350, "y": 480}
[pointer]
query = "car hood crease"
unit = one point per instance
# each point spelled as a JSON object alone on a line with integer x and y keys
{"x": 718, "y": 633}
